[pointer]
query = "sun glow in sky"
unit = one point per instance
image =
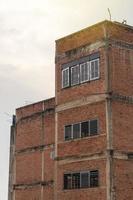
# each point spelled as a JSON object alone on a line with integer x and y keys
{"x": 28, "y": 29}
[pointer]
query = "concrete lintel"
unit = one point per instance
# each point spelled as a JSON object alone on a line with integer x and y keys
{"x": 36, "y": 114}
{"x": 82, "y": 49}
{"x": 81, "y": 158}
{"x": 25, "y": 186}
{"x": 120, "y": 155}
{"x": 91, "y": 99}
{"x": 34, "y": 148}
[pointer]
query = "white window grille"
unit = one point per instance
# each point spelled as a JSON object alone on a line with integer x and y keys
{"x": 84, "y": 72}
{"x": 75, "y": 75}
{"x": 65, "y": 78}
{"x": 94, "y": 69}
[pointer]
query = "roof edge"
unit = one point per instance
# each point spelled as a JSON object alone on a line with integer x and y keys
{"x": 97, "y": 24}
{"x": 32, "y": 104}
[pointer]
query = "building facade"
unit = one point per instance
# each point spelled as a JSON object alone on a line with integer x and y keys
{"x": 79, "y": 145}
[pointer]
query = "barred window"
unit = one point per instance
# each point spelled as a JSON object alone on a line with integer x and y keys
{"x": 67, "y": 181}
{"x": 94, "y": 178}
{"x": 65, "y": 78}
{"x": 94, "y": 69}
{"x": 75, "y": 180}
{"x": 75, "y": 75}
{"x": 81, "y": 129}
{"x": 81, "y": 179}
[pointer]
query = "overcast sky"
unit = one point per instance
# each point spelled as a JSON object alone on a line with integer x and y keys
{"x": 28, "y": 30}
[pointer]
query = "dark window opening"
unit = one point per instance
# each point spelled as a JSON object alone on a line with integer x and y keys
{"x": 94, "y": 178}
{"x": 81, "y": 180}
{"x": 85, "y": 129}
{"x": 75, "y": 180}
{"x": 68, "y": 132}
{"x": 84, "y": 179}
{"x": 81, "y": 130}
{"x": 76, "y": 131}
{"x": 67, "y": 181}
{"x": 94, "y": 127}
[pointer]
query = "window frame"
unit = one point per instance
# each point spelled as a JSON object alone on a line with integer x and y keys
{"x": 80, "y": 174}
{"x": 91, "y": 61}
{"x": 68, "y": 77}
{"x": 73, "y": 84}
{"x": 80, "y": 137}
{"x": 97, "y": 119}
{"x": 65, "y": 132}
{"x": 88, "y": 66}
{"x": 91, "y": 186}
{"x": 89, "y": 128}
{"x": 79, "y": 130}
{"x": 85, "y": 172}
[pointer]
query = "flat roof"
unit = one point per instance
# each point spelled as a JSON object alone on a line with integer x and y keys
{"x": 97, "y": 24}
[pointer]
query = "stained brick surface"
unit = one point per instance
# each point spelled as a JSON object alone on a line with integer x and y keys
{"x": 94, "y": 193}
{"x": 123, "y": 126}
{"x": 39, "y": 128}
{"x": 28, "y": 168}
{"x": 123, "y": 179}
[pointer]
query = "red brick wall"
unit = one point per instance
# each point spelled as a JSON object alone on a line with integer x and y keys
{"x": 48, "y": 165}
{"x": 49, "y": 128}
{"x": 122, "y": 71}
{"x": 28, "y": 194}
{"x": 88, "y": 193}
{"x": 34, "y": 108}
{"x": 80, "y": 90}
{"x": 94, "y": 33}
{"x": 123, "y": 177}
{"x": 34, "y": 129}
{"x": 28, "y": 168}
{"x": 85, "y": 145}
{"x": 122, "y": 126}
{"x": 29, "y": 132}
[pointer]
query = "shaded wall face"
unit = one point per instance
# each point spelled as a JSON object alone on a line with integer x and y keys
{"x": 121, "y": 74}
{"x": 122, "y": 115}
{"x": 34, "y": 166}
{"x": 123, "y": 179}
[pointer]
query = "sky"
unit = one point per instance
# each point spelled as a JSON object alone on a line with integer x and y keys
{"x": 28, "y": 30}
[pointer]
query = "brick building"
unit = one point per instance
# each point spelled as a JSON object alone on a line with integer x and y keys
{"x": 79, "y": 145}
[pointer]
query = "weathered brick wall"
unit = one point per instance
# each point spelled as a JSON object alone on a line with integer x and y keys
{"x": 114, "y": 43}
{"x": 35, "y": 127}
{"x": 29, "y": 194}
{"x": 122, "y": 116}
{"x": 28, "y": 132}
{"x": 35, "y": 130}
{"x": 84, "y": 89}
{"x": 123, "y": 176}
{"x": 88, "y": 193}
{"x": 121, "y": 73}
{"x": 28, "y": 168}
{"x": 87, "y": 145}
